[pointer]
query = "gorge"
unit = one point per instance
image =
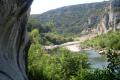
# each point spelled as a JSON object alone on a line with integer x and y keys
{"x": 14, "y": 39}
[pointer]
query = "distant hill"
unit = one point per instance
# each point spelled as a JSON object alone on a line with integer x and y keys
{"x": 73, "y": 19}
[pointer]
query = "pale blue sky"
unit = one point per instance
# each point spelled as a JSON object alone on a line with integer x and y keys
{"x": 40, "y": 6}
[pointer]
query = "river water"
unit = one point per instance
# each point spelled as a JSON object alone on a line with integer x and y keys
{"x": 95, "y": 59}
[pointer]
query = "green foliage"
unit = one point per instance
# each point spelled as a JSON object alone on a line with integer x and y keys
{"x": 61, "y": 64}
{"x": 110, "y": 40}
{"x": 71, "y": 20}
{"x": 95, "y": 75}
{"x": 114, "y": 64}
{"x": 57, "y": 39}
{"x": 34, "y": 35}
{"x": 112, "y": 72}
{"x": 36, "y": 24}
{"x": 47, "y": 33}
{"x": 35, "y": 53}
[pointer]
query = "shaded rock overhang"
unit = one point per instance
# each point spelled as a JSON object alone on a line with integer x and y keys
{"x": 13, "y": 39}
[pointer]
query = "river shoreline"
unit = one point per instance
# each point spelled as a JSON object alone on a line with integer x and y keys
{"x": 95, "y": 59}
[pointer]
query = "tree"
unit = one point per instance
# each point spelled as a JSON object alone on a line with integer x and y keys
{"x": 114, "y": 65}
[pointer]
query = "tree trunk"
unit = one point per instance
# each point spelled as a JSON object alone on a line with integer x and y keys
{"x": 13, "y": 38}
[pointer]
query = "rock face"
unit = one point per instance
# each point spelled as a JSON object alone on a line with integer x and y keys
{"x": 111, "y": 18}
{"x": 115, "y": 13}
{"x": 103, "y": 26}
{"x": 13, "y": 39}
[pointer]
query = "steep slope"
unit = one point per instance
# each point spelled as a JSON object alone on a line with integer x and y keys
{"x": 111, "y": 18}
{"x": 115, "y": 13}
{"x": 73, "y": 19}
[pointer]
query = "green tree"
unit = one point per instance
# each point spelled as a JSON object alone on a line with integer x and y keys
{"x": 114, "y": 65}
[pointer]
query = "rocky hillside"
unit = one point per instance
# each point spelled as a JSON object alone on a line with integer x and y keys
{"x": 110, "y": 20}
{"x": 73, "y": 19}
{"x": 115, "y": 13}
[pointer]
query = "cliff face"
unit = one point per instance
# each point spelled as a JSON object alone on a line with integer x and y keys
{"x": 115, "y": 13}
{"x": 104, "y": 25}
{"x": 111, "y": 18}
{"x": 13, "y": 39}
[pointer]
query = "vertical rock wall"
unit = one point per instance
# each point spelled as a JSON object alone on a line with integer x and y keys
{"x": 103, "y": 25}
{"x": 13, "y": 38}
{"x": 115, "y": 13}
{"x": 111, "y": 18}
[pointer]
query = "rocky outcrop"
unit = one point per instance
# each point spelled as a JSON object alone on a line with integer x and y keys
{"x": 13, "y": 38}
{"x": 103, "y": 25}
{"x": 115, "y": 13}
{"x": 110, "y": 20}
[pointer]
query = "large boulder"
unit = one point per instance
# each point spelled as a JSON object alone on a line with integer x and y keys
{"x": 13, "y": 39}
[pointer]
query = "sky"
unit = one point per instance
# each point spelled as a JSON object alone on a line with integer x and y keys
{"x": 41, "y": 6}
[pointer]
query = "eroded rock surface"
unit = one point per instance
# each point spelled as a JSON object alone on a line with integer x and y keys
{"x": 115, "y": 13}
{"x": 13, "y": 39}
{"x": 111, "y": 18}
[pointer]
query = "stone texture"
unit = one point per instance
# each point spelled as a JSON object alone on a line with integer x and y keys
{"x": 115, "y": 13}
{"x": 103, "y": 26}
{"x": 13, "y": 39}
{"x": 111, "y": 18}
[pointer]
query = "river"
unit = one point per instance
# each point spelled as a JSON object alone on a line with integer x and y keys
{"x": 95, "y": 59}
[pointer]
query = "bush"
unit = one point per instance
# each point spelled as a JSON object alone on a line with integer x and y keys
{"x": 110, "y": 40}
{"x": 61, "y": 66}
{"x": 114, "y": 64}
{"x": 57, "y": 39}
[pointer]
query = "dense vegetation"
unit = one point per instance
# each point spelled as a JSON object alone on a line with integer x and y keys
{"x": 54, "y": 27}
{"x": 48, "y": 35}
{"x": 111, "y": 40}
{"x": 61, "y": 64}
{"x": 71, "y": 20}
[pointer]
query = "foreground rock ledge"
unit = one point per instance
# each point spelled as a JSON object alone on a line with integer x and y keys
{"x": 13, "y": 39}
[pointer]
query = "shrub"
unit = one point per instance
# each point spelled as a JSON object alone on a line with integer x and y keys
{"x": 110, "y": 40}
{"x": 61, "y": 66}
{"x": 114, "y": 65}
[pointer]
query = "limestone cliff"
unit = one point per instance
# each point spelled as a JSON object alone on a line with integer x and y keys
{"x": 103, "y": 26}
{"x": 111, "y": 18}
{"x": 115, "y": 13}
{"x": 13, "y": 38}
